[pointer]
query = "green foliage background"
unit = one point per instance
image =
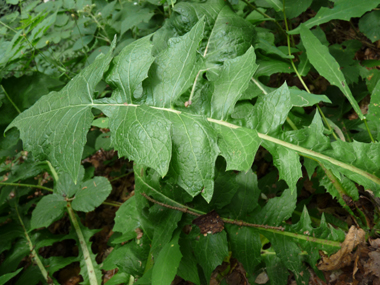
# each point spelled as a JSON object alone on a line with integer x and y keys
{"x": 185, "y": 90}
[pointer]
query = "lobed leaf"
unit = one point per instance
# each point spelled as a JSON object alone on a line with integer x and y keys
{"x": 55, "y": 127}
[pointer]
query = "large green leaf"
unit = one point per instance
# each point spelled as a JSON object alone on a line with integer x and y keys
{"x": 343, "y": 10}
{"x": 175, "y": 68}
{"x": 327, "y": 66}
{"x": 56, "y": 126}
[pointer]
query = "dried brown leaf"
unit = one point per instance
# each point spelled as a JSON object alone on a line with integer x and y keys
{"x": 344, "y": 256}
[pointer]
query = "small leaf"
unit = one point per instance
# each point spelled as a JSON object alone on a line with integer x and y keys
{"x": 101, "y": 123}
{"x": 294, "y": 8}
{"x": 231, "y": 36}
{"x": 49, "y": 209}
{"x": 302, "y": 98}
{"x": 129, "y": 257}
{"x": 129, "y": 69}
{"x": 369, "y": 25}
{"x": 278, "y": 209}
{"x": 91, "y": 194}
{"x": 165, "y": 222}
{"x": 167, "y": 262}
{"x": 275, "y": 4}
{"x": 243, "y": 240}
{"x": 327, "y": 66}
{"x": 188, "y": 269}
{"x": 247, "y": 196}
{"x": 276, "y": 270}
{"x": 210, "y": 250}
{"x": 271, "y": 110}
{"x": 237, "y": 146}
{"x": 127, "y": 218}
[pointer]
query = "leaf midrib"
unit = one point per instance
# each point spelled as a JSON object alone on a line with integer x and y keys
{"x": 294, "y": 147}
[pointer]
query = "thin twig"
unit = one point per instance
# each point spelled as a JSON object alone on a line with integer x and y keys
{"x": 35, "y": 257}
{"x": 228, "y": 221}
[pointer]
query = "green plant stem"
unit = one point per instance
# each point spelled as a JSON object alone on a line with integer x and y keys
{"x": 114, "y": 204}
{"x": 299, "y": 76}
{"x": 52, "y": 170}
{"x": 82, "y": 241}
{"x": 121, "y": 176}
{"x": 10, "y": 100}
{"x": 33, "y": 251}
{"x": 8, "y": 27}
{"x": 291, "y": 124}
{"x": 100, "y": 26}
{"x": 27, "y": 185}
